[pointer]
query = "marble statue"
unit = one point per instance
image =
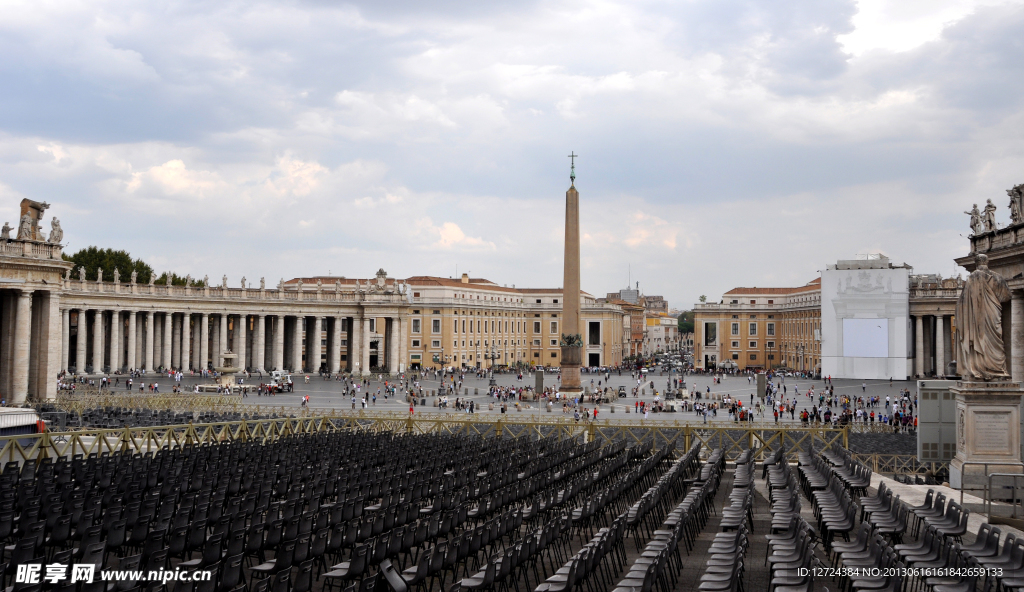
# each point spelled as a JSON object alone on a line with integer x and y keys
{"x": 81, "y": 273}
{"x": 337, "y": 286}
{"x": 977, "y": 227}
{"x": 25, "y": 229}
{"x": 1016, "y": 203}
{"x": 979, "y": 315}
{"x": 224, "y": 281}
{"x": 99, "y": 274}
{"x": 188, "y": 279}
{"x": 989, "y": 216}
{"x": 243, "y": 282}
{"x": 5, "y": 233}
{"x": 67, "y": 275}
{"x": 263, "y": 283}
{"x": 56, "y": 234}
{"x": 152, "y": 279}
{"x": 319, "y": 285}
{"x": 117, "y": 276}
{"x": 135, "y": 276}
{"x": 206, "y": 281}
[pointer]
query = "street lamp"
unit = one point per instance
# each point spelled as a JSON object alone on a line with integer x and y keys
{"x": 492, "y": 355}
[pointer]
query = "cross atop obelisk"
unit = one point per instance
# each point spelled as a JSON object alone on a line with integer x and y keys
{"x": 572, "y": 341}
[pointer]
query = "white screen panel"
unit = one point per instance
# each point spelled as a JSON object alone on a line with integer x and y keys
{"x": 866, "y": 338}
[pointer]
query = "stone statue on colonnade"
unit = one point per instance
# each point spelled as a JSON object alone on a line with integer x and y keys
{"x": 976, "y": 225}
{"x": 56, "y": 232}
{"x": 1016, "y": 203}
{"x": 979, "y": 314}
{"x": 990, "y": 216}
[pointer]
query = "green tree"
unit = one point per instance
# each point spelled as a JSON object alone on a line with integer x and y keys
{"x": 94, "y": 258}
{"x": 685, "y": 322}
{"x": 703, "y": 298}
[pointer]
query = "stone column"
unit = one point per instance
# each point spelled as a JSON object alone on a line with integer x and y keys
{"x": 394, "y": 364}
{"x": 186, "y": 341}
{"x": 165, "y": 350}
{"x": 65, "y": 346}
{"x": 940, "y": 346}
{"x": 313, "y": 349}
{"x": 158, "y": 340}
{"x": 50, "y": 349}
{"x": 355, "y": 345}
{"x": 223, "y": 335}
{"x": 83, "y": 331}
{"x": 364, "y": 347}
{"x": 175, "y": 340}
{"x": 261, "y": 343}
{"x": 919, "y": 347}
{"x": 115, "y": 340}
{"x": 297, "y": 346}
{"x": 334, "y": 364}
{"x": 22, "y": 343}
{"x": 241, "y": 333}
{"x": 132, "y": 340}
{"x": 204, "y": 341}
{"x": 1017, "y": 336}
{"x": 150, "y": 326}
{"x": 279, "y": 342}
{"x": 403, "y": 344}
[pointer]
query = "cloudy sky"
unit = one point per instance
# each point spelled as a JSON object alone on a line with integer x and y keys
{"x": 721, "y": 142}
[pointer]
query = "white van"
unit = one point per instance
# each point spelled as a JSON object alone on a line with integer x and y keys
{"x": 282, "y": 381}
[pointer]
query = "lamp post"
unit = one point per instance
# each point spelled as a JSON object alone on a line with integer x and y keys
{"x": 492, "y": 355}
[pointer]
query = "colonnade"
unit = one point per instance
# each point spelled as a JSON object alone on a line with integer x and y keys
{"x": 106, "y": 340}
{"x": 933, "y": 343}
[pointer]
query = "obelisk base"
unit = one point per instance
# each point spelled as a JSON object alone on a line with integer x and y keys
{"x": 987, "y": 431}
{"x": 570, "y": 369}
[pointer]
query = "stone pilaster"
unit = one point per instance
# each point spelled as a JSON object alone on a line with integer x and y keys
{"x": 80, "y": 344}
{"x": 165, "y": 349}
{"x": 222, "y": 335}
{"x": 403, "y": 344}
{"x": 150, "y": 327}
{"x": 261, "y": 342}
{"x": 133, "y": 336}
{"x": 940, "y": 346}
{"x": 335, "y": 350}
{"x": 22, "y": 343}
{"x": 204, "y": 341}
{"x": 186, "y": 341}
{"x": 394, "y": 365}
{"x": 65, "y": 339}
{"x": 355, "y": 343}
{"x": 50, "y": 346}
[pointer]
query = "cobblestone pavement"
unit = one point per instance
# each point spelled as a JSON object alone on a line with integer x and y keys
{"x": 330, "y": 393}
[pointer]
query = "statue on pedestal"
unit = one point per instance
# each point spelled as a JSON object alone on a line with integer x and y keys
{"x": 99, "y": 275}
{"x": 1016, "y": 203}
{"x": 81, "y": 273}
{"x": 25, "y": 228}
{"x": 67, "y": 275}
{"x": 979, "y": 315}
{"x": 5, "y": 233}
{"x": 56, "y": 234}
{"x": 224, "y": 281}
{"x": 117, "y": 276}
{"x": 263, "y": 283}
{"x": 990, "y": 216}
{"x": 977, "y": 227}
{"x": 135, "y": 276}
{"x": 243, "y": 282}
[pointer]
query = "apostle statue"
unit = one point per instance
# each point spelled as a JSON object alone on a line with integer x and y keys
{"x": 1016, "y": 203}
{"x": 56, "y": 233}
{"x": 243, "y": 282}
{"x": 224, "y": 281}
{"x": 990, "y": 216}
{"x": 25, "y": 229}
{"x": 5, "y": 233}
{"x": 979, "y": 316}
{"x": 135, "y": 276}
{"x": 117, "y": 276}
{"x": 81, "y": 273}
{"x": 263, "y": 283}
{"x": 977, "y": 227}
{"x": 99, "y": 274}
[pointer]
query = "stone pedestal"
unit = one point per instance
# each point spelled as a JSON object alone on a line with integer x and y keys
{"x": 570, "y": 369}
{"x": 987, "y": 431}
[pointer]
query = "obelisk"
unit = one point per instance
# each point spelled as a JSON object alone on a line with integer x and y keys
{"x": 571, "y": 342}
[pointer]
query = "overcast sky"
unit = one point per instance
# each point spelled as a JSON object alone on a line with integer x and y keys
{"x": 722, "y": 143}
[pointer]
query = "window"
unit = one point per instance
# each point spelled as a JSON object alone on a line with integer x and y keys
{"x": 753, "y": 301}
{"x": 415, "y": 342}
{"x": 415, "y": 294}
{"x": 373, "y": 325}
{"x": 554, "y": 343}
{"x": 553, "y": 354}
{"x": 771, "y": 344}
{"x": 536, "y": 342}
{"x": 536, "y": 326}
{"x": 554, "y": 327}
{"x": 594, "y": 333}
{"x": 435, "y": 326}
{"x": 735, "y": 356}
{"x": 753, "y": 316}
{"x": 435, "y": 343}
{"x": 437, "y": 312}
{"x": 555, "y": 301}
{"x": 323, "y": 342}
{"x": 735, "y": 302}
{"x": 771, "y": 302}
{"x": 464, "y": 326}
{"x": 753, "y": 328}
{"x": 536, "y": 354}
{"x": 736, "y": 344}
{"x": 735, "y": 328}
{"x": 753, "y": 345}
{"x": 538, "y": 301}
{"x": 415, "y": 325}
{"x": 753, "y": 357}
{"x": 710, "y": 334}
{"x": 771, "y": 329}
